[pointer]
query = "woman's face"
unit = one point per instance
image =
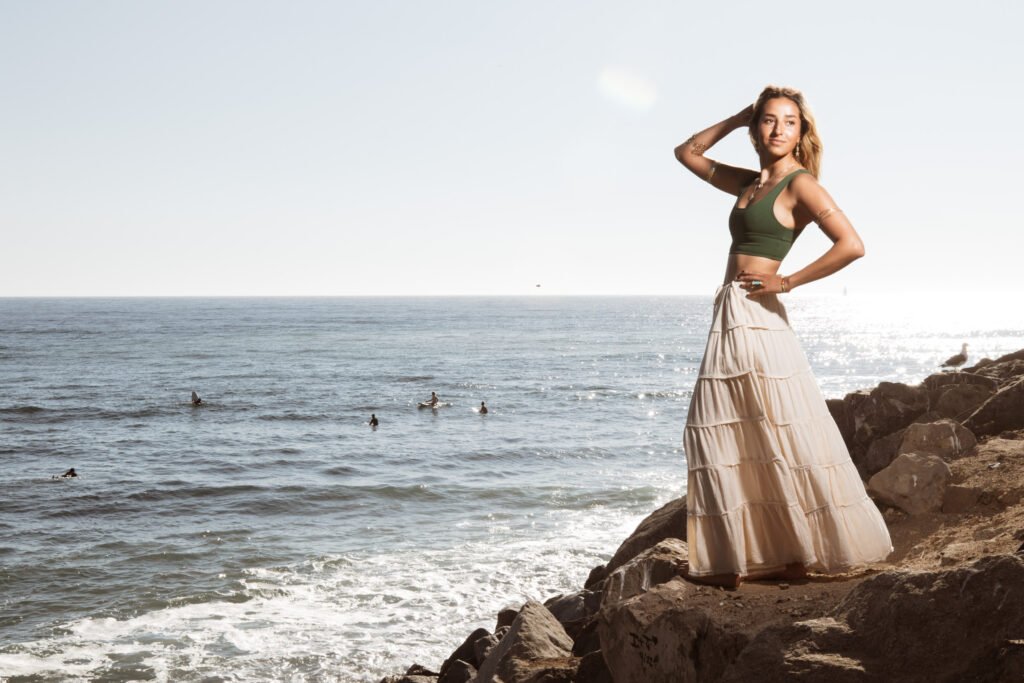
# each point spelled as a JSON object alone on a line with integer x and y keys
{"x": 778, "y": 129}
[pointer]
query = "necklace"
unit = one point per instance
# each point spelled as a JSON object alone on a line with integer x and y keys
{"x": 761, "y": 183}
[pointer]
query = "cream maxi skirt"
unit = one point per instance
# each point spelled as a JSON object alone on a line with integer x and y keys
{"x": 770, "y": 480}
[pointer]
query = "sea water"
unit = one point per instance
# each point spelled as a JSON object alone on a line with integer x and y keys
{"x": 271, "y": 534}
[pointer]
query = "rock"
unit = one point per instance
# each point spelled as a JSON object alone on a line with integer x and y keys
{"x": 484, "y": 644}
{"x": 656, "y": 638}
{"x": 945, "y": 438}
{"x": 888, "y": 407}
{"x": 464, "y": 652}
{"x": 408, "y": 678}
{"x": 1003, "y": 371}
{"x": 535, "y": 636}
{"x": 568, "y": 608}
{"x": 899, "y": 626}
{"x": 648, "y": 569}
{"x": 958, "y": 401}
{"x": 1005, "y": 410}
{"x": 574, "y": 611}
{"x": 668, "y": 521}
{"x": 913, "y": 482}
{"x": 840, "y": 411}
{"x": 506, "y": 617}
{"x": 593, "y": 670}
{"x": 880, "y": 454}
{"x": 595, "y": 577}
{"x": 937, "y": 383}
{"x": 586, "y": 639}
{"x": 414, "y": 674}
{"x": 458, "y": 672}
{"x": 959, "y": 499}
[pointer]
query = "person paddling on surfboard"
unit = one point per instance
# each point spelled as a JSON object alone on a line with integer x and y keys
{"x": 434, "y": 400}
{"x": 195, "y": 399}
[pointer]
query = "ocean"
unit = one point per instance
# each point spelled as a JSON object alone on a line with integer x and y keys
{"x": 271, "y": 534}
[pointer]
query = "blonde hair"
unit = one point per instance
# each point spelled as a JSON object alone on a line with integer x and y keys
{"x": 809, "y": 150}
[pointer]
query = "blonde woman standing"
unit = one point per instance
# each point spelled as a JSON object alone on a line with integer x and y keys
{"x": 771, "y": 491}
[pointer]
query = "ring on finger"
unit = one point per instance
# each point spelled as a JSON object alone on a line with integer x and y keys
{"x": 756, "y": 283}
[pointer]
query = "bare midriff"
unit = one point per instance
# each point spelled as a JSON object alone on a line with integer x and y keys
{"x": 751, "y": 264}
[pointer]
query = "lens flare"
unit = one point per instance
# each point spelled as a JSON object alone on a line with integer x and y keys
{"x": 627, "y": 88}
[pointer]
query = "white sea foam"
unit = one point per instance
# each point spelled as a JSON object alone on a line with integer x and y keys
{"x": 334, "y": 618}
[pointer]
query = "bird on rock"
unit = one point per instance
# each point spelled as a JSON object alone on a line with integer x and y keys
{"x": 957, "y": 360}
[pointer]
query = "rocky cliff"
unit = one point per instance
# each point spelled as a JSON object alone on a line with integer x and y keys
{"x": 945, "y": 462}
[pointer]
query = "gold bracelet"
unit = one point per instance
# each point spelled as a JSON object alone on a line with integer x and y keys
{"x": 785, "y": 284}
{"x": 825, "y": 214}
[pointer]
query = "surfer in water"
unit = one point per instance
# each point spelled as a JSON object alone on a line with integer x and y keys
{"x": 195, "y": 399}
{"x": 67, "y": 475}
{"x": 373, "y": 420}
{"x": 434, "y": 400}
{"x": 483, "y": 408}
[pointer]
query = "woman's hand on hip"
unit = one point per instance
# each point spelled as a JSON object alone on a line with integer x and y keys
{"x": 759, "y": 284}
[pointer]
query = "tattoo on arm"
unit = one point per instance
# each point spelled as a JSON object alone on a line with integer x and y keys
{"x": 696, "y": 148}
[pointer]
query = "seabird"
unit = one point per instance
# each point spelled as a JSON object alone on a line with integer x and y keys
{"x": 957, "y": 360}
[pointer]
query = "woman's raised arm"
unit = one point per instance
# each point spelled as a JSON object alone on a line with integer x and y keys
{"x": 726, "y": 178}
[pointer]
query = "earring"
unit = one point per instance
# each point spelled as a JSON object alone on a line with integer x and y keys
{"x": 798, "y": 149}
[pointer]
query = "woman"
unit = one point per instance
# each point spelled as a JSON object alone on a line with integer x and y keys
{"x": 772, "y": 491}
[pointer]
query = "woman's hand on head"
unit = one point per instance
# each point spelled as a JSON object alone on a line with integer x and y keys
{"x": 759, "y": 284}
{"x": 744, "y": 116}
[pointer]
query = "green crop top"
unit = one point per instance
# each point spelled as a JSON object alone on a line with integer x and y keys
{"x": 756, "y": 231}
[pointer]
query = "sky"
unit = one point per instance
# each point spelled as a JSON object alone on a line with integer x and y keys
{"x": 474, "y": 147}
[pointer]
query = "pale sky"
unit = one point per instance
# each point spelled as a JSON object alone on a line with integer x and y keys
{"x": 480, "y": 147}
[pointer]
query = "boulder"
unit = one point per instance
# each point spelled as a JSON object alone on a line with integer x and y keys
{"x": 937, "y": 383}
{"x": 945, "y": 438}
{"x": 654, "y": 566}
{"x": 464, "y": 652}
{"x": 458, "y": 672}
{"x": 898, "y": 626}
{"x": 914, "y": 482}
{"x": 1003, "y": 371}
{"x": 1004, "y": 411}
{"x": 880, "y": 454}
{"x": 668, "y": 521}
{"x": 534, "y": 640}
{"x": 483, "y": 645}
{"x": 656, "y": 638}
{"x": 888, "y": 407}
{"x": 958, "y": 401}
{"x": 566, "y": 608}
{"x": 595, "y": 577}
{"x": 593, "y": 670}
{"x": 506, "y": 617}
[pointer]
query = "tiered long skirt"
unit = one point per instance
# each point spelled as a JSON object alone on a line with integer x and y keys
{"x": 770, "y": 480}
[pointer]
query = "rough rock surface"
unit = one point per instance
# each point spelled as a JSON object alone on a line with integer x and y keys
{"x": 1004, "y": 411}
{"x": 899, "y": 626}
{"x": 945, "y": 438}
{"x": 648, "y": 569}
{"x": 888, "y": 407}
{"x": 464, "y": 652}
{"x": 656, "y": 637}
{"x": 668, "y": 521}
{"x": 535, "y": 640}
{"x": 914, "y": 482}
